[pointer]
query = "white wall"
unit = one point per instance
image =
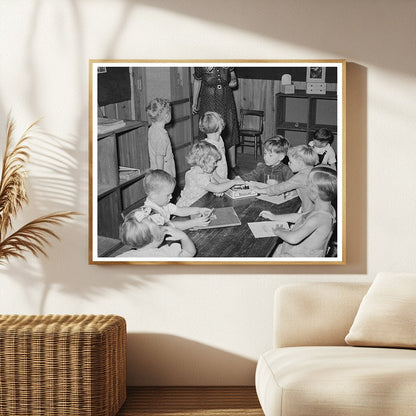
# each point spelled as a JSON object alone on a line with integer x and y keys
{"x": 201, "y": 324}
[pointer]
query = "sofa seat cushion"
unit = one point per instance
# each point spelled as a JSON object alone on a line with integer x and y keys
{"x": 341, "y": 381}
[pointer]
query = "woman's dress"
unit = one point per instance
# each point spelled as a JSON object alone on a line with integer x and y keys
{"x": 216, "y": 95}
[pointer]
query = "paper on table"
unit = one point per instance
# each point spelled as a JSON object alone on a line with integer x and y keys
{"x": 279, "y": 199}
{"x": 265, "y": 228}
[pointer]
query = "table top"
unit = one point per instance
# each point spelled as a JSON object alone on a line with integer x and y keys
{"x": 238, "y": 241}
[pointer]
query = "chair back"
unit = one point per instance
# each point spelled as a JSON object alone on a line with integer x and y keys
{"x": 251, "y": 120}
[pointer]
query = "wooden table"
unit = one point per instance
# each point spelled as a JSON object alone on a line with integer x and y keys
{"x": 238, "y": 241}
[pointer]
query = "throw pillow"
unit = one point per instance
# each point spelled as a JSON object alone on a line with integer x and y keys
{"x": 387, "y": 314}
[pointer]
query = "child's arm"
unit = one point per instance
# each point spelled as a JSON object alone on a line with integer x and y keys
{"x": 188, "y": 247}
{"x": 186, "y": 211}
{"x": 201, "y": 221}
{"x": 223, "y": 185}
{"x": 196, "y": 90}
{"x": 295, "y": 237}
{"x": 294, "y": 182}
{"x": 280, "y": 217}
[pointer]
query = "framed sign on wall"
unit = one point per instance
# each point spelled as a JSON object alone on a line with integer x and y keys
{"x": 212, "y": 162}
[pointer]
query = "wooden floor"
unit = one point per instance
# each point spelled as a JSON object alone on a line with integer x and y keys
{"x": 191, "y": 401}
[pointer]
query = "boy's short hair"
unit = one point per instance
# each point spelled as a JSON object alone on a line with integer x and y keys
{"x": 138, "y": 234}
{"x": 202, "y": 152}
{"x": 305, "y": 153}
{"x": 276, "y": 144}
{"x": 157, "y": 178}
{"x": 155, "y": 108}
{"x": 325, "y": 179}
{"x": 323, "y": 135}
{"x": 211, "y": 122}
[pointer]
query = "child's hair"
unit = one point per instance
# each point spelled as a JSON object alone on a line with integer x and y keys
{"x": 157, "y": 178}
{"x": 277, "y": 144}
{"x": 211, "y": 122}
{"x": 201, "y": 153}
{"x": 155, "y": 108}
{"x": 305, "y": 153}
{"x": 139, "y": 229}
{"x": 323, "y": 135}
{"x": 325, "y": 179}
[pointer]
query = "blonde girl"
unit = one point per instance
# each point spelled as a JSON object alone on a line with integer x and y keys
{"x": 144, "y": 232}
{"x": 202, "y": 178}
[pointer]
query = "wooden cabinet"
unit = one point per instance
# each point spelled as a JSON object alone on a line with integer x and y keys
{"x": 122, "y": 160}
{"x": 299, "y": 115}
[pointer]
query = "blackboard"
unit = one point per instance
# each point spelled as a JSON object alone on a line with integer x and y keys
{"x": 113, "y": 85}
{"x": 276, "y": 72}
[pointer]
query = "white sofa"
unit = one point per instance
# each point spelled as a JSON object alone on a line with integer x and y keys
{"x": 311, "y": 371}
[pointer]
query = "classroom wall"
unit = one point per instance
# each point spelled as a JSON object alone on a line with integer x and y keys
{"x": 203, "y": 325}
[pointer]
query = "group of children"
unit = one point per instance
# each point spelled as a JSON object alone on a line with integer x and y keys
{"x": 308, "y": 169}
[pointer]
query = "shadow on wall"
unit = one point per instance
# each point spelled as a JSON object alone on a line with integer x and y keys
{"x": 167, "y": 360}
{"x": 318, "y": 25}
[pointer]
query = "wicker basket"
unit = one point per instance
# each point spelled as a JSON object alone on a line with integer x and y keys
{"x": 71, "y": 365}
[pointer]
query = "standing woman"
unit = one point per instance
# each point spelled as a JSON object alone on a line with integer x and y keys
{"x": 213, "y": 88}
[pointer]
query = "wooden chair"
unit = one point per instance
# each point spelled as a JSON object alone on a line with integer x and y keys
{"x": 251, "y": 129}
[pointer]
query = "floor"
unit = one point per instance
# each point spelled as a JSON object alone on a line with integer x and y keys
{"x": 191, "y": 401}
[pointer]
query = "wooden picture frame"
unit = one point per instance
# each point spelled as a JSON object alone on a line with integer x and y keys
{"x": 119, "y": 156}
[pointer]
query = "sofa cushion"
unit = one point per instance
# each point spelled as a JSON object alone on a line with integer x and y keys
{"x": 304, "y": 381}
{"x": 387, "y": 314}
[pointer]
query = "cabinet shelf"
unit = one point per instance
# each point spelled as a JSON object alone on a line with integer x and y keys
{"x": 299, "y": 115}
{"x": 118, "y": 191}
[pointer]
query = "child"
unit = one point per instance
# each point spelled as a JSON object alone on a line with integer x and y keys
{"x": 322, "y": 140}
{"x": 159, "y": 186}
{"x": 160, "y": 148}
{"x": 301, "y": 161}
{"x": 202, "y": 178}
{"x": 273, "y": 170}
{"x": 144, "y": 232}
{"x": 212, "y": 124}
{"x": 312, "y": 230}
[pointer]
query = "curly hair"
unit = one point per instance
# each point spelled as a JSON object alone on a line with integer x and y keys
{"x": 139, "y": 233}
{"x": 155, "y": 108}
{"x": 201, "y": 153}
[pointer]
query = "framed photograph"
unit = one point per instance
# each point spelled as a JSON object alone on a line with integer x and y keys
{"x": 315, "y": 73}
{"x": 209, "y": 162}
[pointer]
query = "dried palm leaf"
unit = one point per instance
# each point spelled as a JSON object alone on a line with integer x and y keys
{"x": 32, "y": 237}
{"x": 12, "y": 183}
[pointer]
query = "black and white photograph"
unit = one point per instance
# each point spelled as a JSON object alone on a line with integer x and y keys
{"x": 243, "y": 163}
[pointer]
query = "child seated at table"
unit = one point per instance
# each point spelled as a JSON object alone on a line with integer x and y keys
{"x": 202, "y": 178}
{"x": 212, "y": 124}
{"x": 301, "y": 161}
{"x": 312, "y": 230}
{"x": 273, "y": 170}
{"x": 144, "y": 232}
{"x": 159, "y": 186}
{"x": 159, "y": 145}
{"x": 321, "y": 143}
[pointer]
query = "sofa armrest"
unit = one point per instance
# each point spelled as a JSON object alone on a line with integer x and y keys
{"x": 308, "y": 314}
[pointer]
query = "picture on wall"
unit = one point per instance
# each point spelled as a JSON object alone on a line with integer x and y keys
{"x": 217, "y": 162}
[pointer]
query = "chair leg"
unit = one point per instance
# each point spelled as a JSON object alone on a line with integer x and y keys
{"x": 255, "y": 147}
